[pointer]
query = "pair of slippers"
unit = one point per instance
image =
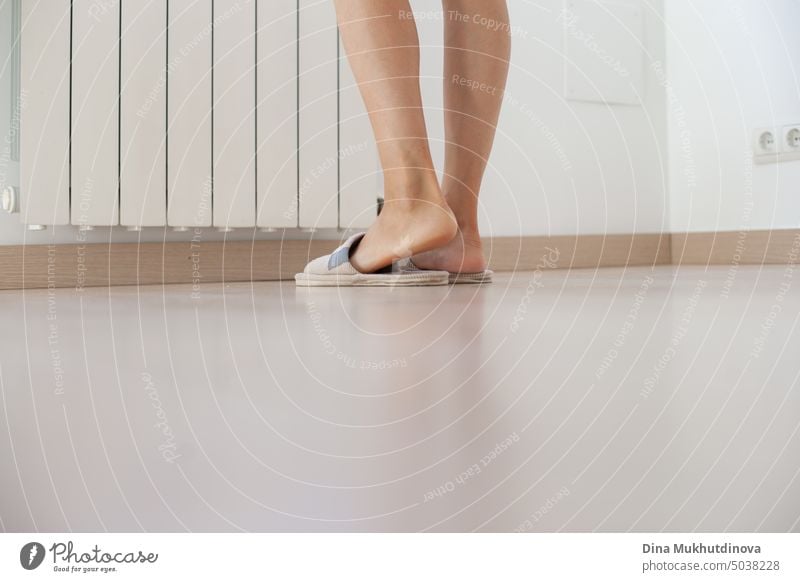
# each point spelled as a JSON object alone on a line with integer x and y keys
{"x": 335, "y": 270}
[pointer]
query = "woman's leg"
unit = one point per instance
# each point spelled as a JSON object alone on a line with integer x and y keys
{"x": 477, "y": 51}
{"x": 380, "y": 37}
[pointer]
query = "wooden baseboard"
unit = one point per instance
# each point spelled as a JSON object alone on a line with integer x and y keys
{"x": 93, "y": 265}
{"x": 754, "y": 247}
{"x": 578, "y": 251}
{"x": 99, "y": 265}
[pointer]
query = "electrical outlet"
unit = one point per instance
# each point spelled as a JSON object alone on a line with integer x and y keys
{"x": 791, "y": 139}
{"x": 772, "y": 145}
{"x": 765, "y": 141}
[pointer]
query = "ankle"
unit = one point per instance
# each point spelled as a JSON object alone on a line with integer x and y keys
{"x": 465, "y": 208}
{"x": 412, "y": 184}
{"x": 467, "y": 221}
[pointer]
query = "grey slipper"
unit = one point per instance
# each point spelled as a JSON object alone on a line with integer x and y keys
{"x": 457, "y": 278}
{"x": 335, "y": 270}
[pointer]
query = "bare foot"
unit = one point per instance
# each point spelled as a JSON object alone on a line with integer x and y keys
{"x": 463, "y": 254}
{"x": 404, "y": 228}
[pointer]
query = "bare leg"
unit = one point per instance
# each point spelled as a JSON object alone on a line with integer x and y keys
{"x": 476, "y": 69}
{"x": 380, "y": 37}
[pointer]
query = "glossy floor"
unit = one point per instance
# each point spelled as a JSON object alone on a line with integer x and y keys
{"x": 607, "y": 400}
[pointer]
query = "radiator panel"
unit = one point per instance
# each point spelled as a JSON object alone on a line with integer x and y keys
{"x": 44, "y": 120}
{"x": 318, "y": 82}
{"x": 234, "y": 114}
{"x": 95, "y": 113}
{"x": 143, "y": 118}
{"x": 191, "y": 113}
{"x": 189, "y": 155}
{"x": 277, "y": 114}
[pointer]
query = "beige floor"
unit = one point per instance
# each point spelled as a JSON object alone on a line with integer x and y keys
{"x": 606, "y": 400}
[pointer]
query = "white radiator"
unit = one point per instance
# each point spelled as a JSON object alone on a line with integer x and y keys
{"x": 191, "y": 113}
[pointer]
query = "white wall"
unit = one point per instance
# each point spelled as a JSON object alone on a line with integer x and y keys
{"x": 733, "y": 65}
{"x": 559, "y": 166}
